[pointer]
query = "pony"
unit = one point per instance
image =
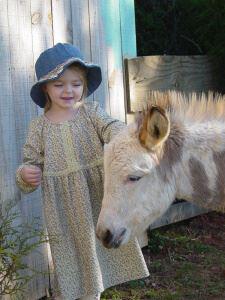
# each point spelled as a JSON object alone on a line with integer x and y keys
{"x": 174, "y": 149}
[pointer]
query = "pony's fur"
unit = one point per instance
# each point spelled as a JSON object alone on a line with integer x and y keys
{"x": 192, "y": 108}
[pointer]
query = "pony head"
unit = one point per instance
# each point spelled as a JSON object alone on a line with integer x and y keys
{"x": 137, "y": 189}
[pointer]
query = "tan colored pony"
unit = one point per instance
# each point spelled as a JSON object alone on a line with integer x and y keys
{"x": 175, "y": 149}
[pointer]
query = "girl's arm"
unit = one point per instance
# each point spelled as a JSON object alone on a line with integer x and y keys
{"x": 32, "y": 157}
{"x": 105, "y": 125}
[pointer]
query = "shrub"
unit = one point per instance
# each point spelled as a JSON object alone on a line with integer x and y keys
{"x": 16, "y": 242}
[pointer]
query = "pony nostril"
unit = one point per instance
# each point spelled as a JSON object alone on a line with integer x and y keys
{"x": 107, "y": 237}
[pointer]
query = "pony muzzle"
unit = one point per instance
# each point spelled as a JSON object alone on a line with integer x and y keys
{"x": 111, "y": 239}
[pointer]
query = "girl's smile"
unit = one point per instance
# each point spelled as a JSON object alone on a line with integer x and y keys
{"x": 67, "y": 98}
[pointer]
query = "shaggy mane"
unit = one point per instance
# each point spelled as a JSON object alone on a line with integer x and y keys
{"x": 195, "y": 107}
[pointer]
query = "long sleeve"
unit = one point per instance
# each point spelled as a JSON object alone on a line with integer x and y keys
{"x": 32, "y": 154}
{"x": 105, "y": 125}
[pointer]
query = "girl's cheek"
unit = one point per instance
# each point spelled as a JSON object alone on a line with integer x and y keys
{"x": 78, "y": 90}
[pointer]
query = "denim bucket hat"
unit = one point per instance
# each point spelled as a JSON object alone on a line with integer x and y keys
{"x": 51, "y": 64}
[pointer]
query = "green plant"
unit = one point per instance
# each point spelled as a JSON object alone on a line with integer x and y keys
{"x": 161, "y": 294}
{"x": 16, "y": 242}
{"x": 113, "y": 294}
{"x": 157, "y": 241}
{"x": 136, "y": 283}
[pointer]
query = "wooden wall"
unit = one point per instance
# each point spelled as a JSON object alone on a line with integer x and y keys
{"x": 104, "y": 30}
{"x": 186, "y": 74}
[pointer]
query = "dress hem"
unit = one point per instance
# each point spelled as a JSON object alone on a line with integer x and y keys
{"x": 109, "y": 285}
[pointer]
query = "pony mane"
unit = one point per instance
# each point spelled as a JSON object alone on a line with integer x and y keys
{"x": 189, "y": 108}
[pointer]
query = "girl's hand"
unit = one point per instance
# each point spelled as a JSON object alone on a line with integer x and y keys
{"x": 31, "y": 175}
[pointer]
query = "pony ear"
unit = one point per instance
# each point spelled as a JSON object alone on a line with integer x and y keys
{"x": 153, "y": 127}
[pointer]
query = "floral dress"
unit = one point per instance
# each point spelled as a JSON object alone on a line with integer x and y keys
{"x": 70, "y": 155}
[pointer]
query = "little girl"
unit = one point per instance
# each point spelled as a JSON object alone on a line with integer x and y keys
{"x": 64, "y": 153}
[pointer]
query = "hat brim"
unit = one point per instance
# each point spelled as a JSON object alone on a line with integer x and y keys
{"x": 94, "y": 78}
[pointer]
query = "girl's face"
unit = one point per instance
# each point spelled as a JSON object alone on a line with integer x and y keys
{"x": 65, "y": 91}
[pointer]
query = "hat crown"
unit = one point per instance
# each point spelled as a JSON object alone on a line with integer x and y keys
{"x": 53, "y": 57}
{"x": 54, "y": 61}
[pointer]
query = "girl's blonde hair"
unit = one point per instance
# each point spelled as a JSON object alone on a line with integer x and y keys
{"x": 83, "y": 75}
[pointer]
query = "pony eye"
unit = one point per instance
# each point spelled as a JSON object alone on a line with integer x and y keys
{"x": 133, "y": 178}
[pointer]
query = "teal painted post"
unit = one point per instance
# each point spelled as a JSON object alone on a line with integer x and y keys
{"x": 128, "y": 28}
{"x": 111, "y": 21}
{"x": 120, "y": 40}
{"x": 128, "y": 42}
{"x": 119, "y": 26}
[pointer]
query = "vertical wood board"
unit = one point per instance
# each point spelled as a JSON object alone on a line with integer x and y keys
{"x": 62, "y": 21}
{"x": 127, "y": 28}
{"x": 42, "y": 35}
{"x": 16, "y": 111}
{"x": 110, "y": 15}
{"x": 99, "y": 52}
{"x": 81, "y": 29}
{"x": 42, "y": 38}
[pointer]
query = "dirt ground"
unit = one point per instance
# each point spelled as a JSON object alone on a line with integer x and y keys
{"x": 186, "y": 261}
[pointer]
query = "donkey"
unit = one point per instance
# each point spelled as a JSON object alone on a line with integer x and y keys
{"x": 174, "y": 149}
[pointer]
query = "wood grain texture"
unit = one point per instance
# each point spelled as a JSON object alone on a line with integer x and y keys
{"x": 99, "y": 52}
{"x": 81, "y": 27}
{"x": 62, "y": 21}
{"x": 162, "y": 73}
{"x": 128, "y": 36}
{"x": 178, "y": 212}
{"x": 110, "y": 15}
{"x": 42, "y": 38}
{"x": 16, "y": 110}
{"x": 42, "y": 32}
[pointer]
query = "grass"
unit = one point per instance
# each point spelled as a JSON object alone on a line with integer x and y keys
{"x": 185, "y": 260}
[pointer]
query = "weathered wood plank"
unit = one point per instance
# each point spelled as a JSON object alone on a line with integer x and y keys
{"x": 16, "y": 111}
{"x": 41, "y": 25}
{"x": 181, "y": 73}
{"x": 99, "y": 52}
{"x": 110, "y": 15}
{"x": 5, "y": 117}
{"x": 127, "y": 21}
{"x": 178, "y": 212}
{"x": 81, "y": 27}
{"x": 41, "y": 22}
{"x": 99, "y": 24}
{"x": 128, "y": 38}
{"x": 62, "y": 21}
{"x": 42, "y": 38}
